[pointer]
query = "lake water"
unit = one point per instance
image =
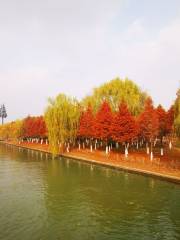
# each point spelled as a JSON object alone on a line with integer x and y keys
{"x": 42, "y": 198}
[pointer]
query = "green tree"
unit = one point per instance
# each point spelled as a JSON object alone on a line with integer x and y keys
{"x": 116, "y": 91}
{"x": 62, "y": 119}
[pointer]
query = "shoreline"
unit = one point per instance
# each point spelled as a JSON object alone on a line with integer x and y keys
{"x": 125, "y": 169}
{"x": 104, "y": 163}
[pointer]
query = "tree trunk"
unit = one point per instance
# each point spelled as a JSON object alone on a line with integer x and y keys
{"x": 91, "y": 147}
{"x": 126, "y": 151}
{"x": 151, "y": 155}
{"x": 106, "y": 149}
{"x": 162, "y": 152}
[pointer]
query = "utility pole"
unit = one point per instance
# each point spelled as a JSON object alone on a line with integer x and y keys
{"x": 3, "y": 113}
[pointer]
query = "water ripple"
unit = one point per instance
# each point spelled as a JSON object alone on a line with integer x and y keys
{"x": 41, "y": 198}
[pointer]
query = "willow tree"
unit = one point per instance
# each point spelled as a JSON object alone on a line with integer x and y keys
{"x": 62, "y": 119}
{"x": 116, "y": 91}
{"x": 16, "y": 129}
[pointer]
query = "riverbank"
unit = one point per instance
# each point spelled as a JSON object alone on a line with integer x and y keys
{"x": 162, "y": 166}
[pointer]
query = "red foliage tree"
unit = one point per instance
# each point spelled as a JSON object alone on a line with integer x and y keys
{"x": 41, "y": 127}
{"x": 34, "y": 127}
{"x": 123, "y": 126}
{"x": 103, "y": 122}
{"x": 170, "y": 120}
{"x": 86, "y": 123}
{"x": 27, "y": 126}
{"x": 148, "y": 122}
{"x": 161, "y": 114}
{"x": 137, "y": 127}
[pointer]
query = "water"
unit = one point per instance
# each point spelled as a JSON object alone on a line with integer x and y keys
{"x": 41, "y": 198}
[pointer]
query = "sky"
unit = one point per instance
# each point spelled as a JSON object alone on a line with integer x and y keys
{"x": 52, "y": 46}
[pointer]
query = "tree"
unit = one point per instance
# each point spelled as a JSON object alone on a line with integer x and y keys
{"x": 177, "y": 125}
{"x": 86, "y": 123}
{"x": 123, "y": 126}
{"x": 148, "y": 122}
{"x": 41, "y": 126}
{"x": 27, "y": 127}
{"x": 162, "y": 118}
{"x": 11, "y": 130}
{"x": 177, "y": 114}
{"x": 170, "y": 120}
{"x": 16, "y": 131}
{"x": 34, "y": 127}
{"x": 62, "y": 120}
{"x": 5, "y": 131}
{"x": 3, "y": 113}
{"x": 103, "y": 122}
{"x": 116, "y": 91}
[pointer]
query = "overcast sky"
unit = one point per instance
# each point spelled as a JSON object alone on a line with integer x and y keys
{"x": 71, "y": 46}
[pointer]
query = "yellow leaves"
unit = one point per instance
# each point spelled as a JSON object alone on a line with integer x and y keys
{"x": 11, "y": 130}
{"x": 62, "y": 117}
{"x": 114, "y": 92}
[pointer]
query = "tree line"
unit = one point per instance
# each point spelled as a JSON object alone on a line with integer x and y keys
{"x": 29, "y": 128}
{"x": 116, "y": 114}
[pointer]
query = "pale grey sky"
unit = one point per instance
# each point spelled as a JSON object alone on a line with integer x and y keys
{"x": 71, "y": 46}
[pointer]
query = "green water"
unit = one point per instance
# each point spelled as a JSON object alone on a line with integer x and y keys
{"x": 41, "y": 198}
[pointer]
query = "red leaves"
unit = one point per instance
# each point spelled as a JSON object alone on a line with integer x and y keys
{"x": 86, "y": 124}
{"x": 34, "y": 127}
{"x": 154, "y": 122}
{"x": 120, "y": 126}
{"x": 41, "y": 127}
{"x": 123, "y": 127}
{"x": 166, "y": 120}
{"x": 148, "y": 121}
{"x": 103, "y": 122}
{"x": 161, "y": 114}
{"x": 170, "y": 119}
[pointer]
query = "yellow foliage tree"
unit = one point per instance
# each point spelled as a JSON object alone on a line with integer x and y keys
{"x": 62, "y": 119}
{"x": 11, "y": 130}
{"x": 114, "y": 92}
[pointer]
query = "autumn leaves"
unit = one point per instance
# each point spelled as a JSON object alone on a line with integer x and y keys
{"x": 106, "y": 125}
{"x": 123, "y": 128}
{"x": 27, "y": 128}
{"x": 117, "y": 113}
{"x": 34, "y": 127}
